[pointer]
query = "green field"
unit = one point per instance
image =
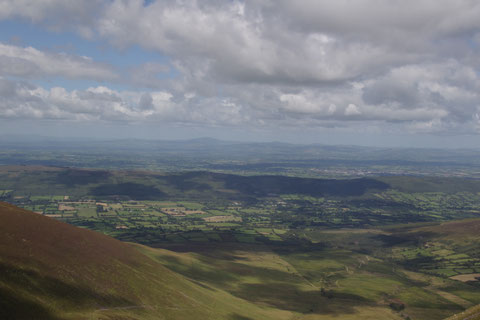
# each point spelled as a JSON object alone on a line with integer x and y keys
{"x": 386, "y": 248}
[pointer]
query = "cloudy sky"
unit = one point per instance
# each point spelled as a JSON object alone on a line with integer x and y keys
{"x": 371, "y": 72}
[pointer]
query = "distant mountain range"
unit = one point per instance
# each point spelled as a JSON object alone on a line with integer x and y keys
{"x": 209, "y": 147}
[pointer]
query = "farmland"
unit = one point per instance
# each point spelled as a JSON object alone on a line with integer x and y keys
{"x": 399, "y": 247}
{"x": 156, "y": 207}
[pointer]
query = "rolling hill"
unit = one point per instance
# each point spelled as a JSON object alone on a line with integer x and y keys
{"x": 51, "y": 270}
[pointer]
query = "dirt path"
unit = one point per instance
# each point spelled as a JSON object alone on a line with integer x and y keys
{"x": 122, "y": 308}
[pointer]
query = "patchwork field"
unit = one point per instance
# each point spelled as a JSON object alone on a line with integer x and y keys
{"x": 282, "y": 247}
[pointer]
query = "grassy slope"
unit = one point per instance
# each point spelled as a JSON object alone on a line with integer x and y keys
{"x": 51, "y": 270}
{"x": 470, "y": 314}
{"x": 362, "y": 286}
{"x": 267, "y": 278}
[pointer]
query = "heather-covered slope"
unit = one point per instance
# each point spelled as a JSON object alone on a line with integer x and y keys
{"x": 51, "y": 270}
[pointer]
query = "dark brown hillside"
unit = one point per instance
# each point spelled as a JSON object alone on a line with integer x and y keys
{"x": 46, "y": 263}
{"x": 462, "y": 229}
{"x": 51, "y": 270}
{"x": 59, "y": 245}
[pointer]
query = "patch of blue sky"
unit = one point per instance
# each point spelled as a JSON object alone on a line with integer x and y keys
{"x": 25, "y": 34}
{"x": 148, "y": 2}
{"x": 82, "y": 84}
{"x": 77, "y": 84}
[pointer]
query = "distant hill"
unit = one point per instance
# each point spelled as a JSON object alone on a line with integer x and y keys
{"x": 51, "y": 270}
{"x": 140, "y": 185}
{"x": 229, "y": 156}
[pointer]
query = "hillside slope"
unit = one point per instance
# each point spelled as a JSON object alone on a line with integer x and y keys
{"x": 469, "y": 314}
{"x": 51, "y": 270}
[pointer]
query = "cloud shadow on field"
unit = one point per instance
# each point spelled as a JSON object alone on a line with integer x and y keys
{"x": 290, "y": 297}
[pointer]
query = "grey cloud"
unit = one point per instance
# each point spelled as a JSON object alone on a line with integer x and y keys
{"x": 386, "y": 91}
{"x": 149, "y": 75}
{"x": 301, "y": 42}
{"x": 412, "y": 64}
{"x": 303, "y": 108}
{"x": 18, "y": 67}
{"x": 98, "y": 96}
{"x": 232, "y": 45}
{"x": 58, "y": 15}
{"x": 447, "y": 86}
{"x": 7, "y": 88}
{"x": 146, "y": 101}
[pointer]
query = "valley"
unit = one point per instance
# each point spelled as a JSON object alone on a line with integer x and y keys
{"x": 395, "y": 247}
{"x": 239, "y": 160}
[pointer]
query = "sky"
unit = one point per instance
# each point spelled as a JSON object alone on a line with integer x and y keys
{"x": 366, "y": 72}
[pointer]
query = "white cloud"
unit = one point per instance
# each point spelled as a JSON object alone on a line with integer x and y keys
{"x": 30, "y": 62}
{"x": 248, "y": 47}
{"x": 308, "y": 62}
{"x": 21, "y": 100}
{"x": 352, "y": 110}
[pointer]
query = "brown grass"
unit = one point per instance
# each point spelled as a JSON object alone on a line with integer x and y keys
{"x": 222, "y": 219}
{"x": 467, "y": 277}
{"x": 63, "y": 207}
